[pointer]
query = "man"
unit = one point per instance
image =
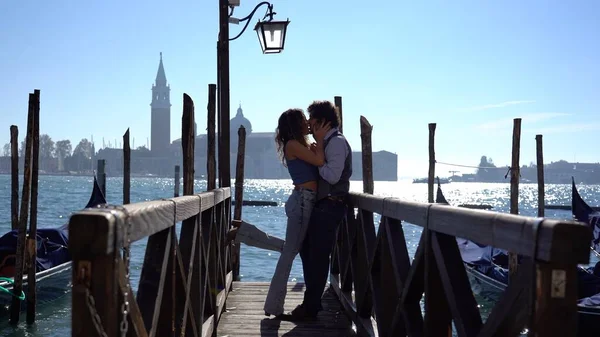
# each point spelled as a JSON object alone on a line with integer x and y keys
{"x": 329, "y": 210}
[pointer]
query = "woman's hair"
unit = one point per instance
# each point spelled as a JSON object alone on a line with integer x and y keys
{"x": 290, "y": 126}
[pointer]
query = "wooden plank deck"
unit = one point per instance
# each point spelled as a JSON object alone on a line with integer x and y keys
{"x": 244, "y": 315}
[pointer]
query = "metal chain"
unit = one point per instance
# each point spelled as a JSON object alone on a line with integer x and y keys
{"x": 91, "y": 304}
{"x": 126, "y": 259}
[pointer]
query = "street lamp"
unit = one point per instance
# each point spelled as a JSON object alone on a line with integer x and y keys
{"x": 271, "y": 35}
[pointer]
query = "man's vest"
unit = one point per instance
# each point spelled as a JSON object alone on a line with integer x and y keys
{"x": 342, "y": 187}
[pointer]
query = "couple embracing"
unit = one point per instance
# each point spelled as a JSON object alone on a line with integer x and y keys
{"x": 320, "y": 173}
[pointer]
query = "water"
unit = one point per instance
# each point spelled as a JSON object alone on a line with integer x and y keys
{"x": 59, "y": 196}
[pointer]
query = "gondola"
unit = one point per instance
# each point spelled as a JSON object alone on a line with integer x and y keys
{"x": 487, "y": 269}
{"x": 53, "y": 263}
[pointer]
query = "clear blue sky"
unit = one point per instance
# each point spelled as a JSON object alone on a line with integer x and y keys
{"x": 469, "y": 66}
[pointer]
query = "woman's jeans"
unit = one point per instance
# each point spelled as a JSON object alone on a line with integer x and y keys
{"x": 298, "y": 209}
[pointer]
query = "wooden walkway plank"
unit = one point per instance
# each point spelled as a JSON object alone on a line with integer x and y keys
{"x": 244, "y": 315}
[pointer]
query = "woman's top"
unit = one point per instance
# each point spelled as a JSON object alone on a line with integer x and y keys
{"x": 301, "y": 171}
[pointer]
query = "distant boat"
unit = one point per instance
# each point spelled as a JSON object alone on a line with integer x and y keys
{"x": 53, "y": 263}
{"x": 487, "y": 269}
{"x": 426, "y": 180}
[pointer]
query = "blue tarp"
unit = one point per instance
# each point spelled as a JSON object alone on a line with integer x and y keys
{"x": 493, "y": 263}
{"x": 52, "y": 248}
{"x": 52, "y": 243}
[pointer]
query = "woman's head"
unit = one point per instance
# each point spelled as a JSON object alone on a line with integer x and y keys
{"x": 292, "y": 124}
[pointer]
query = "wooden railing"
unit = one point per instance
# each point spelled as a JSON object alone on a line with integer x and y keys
{"x": 381, "y": 288}
{"x": 183, "y": 284}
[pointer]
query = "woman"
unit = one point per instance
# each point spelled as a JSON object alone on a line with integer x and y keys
{"x": 302, "y": 160}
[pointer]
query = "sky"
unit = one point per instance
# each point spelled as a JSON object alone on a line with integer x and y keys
{"x": 469, "y": 66}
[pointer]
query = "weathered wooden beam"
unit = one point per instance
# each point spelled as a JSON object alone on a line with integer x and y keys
{"x": 102, "y": 175}
{"x": 14, "y": 172}
{"x": 190, "y": 238}
{"x": 540, "y": 174}
{"x": 177, "y": 181}
{"x": 366, "y": 130}
{"x": 32, "y": 236}
{"x": 431, "y": 175}
{"x": 515, "y": 175}
{"x": 92, "y": 246}
{"x": 239, "y": 197}
{"x": 126, "y": 169}
{"x": 151, "y": 217}
{"x": 187, "y": 144}
{"x": 338, "y": 104}
{"x": 558, "y": 240}
{"x": 25, "y": 196}
{"x": 211, "y": 164}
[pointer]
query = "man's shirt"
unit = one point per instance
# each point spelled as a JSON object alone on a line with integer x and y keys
{"x": 335, "y": 158}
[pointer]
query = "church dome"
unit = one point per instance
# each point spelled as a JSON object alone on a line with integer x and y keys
{"x": 238, "y": 121}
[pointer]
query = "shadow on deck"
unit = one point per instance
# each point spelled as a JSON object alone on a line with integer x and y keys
{"x": 244, "y": 314}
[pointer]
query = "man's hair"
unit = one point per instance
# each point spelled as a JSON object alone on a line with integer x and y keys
{"x": 324, "y": 111}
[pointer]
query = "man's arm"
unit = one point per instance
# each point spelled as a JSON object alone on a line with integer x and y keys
{"x": 335, "y": 159}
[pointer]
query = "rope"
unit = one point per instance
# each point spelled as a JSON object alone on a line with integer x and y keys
{"x": 470, "y": 166}
{"x": 481, "y": 167}
{"x": 3, "y": 289}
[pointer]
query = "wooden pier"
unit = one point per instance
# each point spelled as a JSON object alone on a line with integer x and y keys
{"x": 244, "y": 315}
{"x": 189, "y": 286}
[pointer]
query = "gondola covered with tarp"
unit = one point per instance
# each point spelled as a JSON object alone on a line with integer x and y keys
{"x": 53, "y": 261}
{"x": 487, "y": 269}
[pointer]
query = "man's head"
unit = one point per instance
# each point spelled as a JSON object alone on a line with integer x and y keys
{"x": 323, "y": 112}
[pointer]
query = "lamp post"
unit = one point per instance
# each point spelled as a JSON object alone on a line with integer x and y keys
{"x": 271, "y": 35}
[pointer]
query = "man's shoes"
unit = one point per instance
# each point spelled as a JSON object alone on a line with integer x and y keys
{"x": 300, "y": 314}
{"x": 280, "y": 317}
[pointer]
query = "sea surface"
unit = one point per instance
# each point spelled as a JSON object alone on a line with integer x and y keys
{"x": 59, "y": 196}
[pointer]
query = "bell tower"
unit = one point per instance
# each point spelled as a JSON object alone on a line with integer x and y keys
{"x": 160, "y": 133}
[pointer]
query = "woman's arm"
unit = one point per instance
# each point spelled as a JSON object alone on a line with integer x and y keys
{"x": 295, "y": 149}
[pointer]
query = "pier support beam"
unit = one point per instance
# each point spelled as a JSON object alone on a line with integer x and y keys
{"x": 540, "y": 174}
{"x": 515, "y": 174}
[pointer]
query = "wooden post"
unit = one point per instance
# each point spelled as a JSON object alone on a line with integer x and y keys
{"x": 224, "y": 95}
{"x": 187, "y": 143}
{"x": 14, "y": 172}
{"x": 102, "y": 176}
{"x": 211, "y": 164}
{"x": 540, "y": 174}
{"x": 338, "y": 104}
{"x": 190, "y": 249}
{"x": 19, "y": 265}
{"x": 431, "y": 176}
{"x": 367, "y": 155}
{"x": 239, "y": 197}
{"x": 126, "y": 169}
{"x": 515, "y": 172}
{"x": 177, "y": 181}
{"x": 32, "y": 238}
{"x": 95, "y": 260}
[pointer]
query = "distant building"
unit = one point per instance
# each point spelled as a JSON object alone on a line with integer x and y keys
{"x": 261, "y": 160}
{"x": 160, "y": 133}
